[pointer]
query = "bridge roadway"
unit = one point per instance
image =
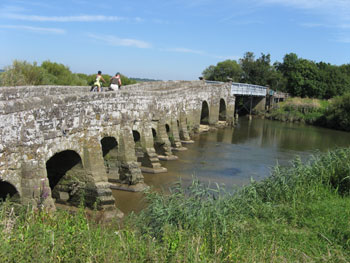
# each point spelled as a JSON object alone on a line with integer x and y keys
{"x": 57, "y": 143}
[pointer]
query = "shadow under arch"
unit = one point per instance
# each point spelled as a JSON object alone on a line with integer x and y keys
{"x": 167, "y": 128}
{"x": 170, "y": 134}
{"x": 142, "y": 156}
{"x": 109, "y": 146}
{"x": 68, "y": 180}
{"x": 222, "y": 110}
{"x": 205, "y": 113}
{"x": 7, "y": 190}
{"x": 158, "y": 146}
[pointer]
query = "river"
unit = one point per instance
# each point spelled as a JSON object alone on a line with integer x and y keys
{"x": 232, "y": 156}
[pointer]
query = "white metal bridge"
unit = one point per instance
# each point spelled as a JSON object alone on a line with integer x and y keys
{"x": 244, "y": 89}
{"x": 248, "y": 89}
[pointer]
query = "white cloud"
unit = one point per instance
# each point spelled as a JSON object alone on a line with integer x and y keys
{"x": 335, "y": 8}
{"x": 185, "y": 50}
{"x": 81, "y": 18}
{"x": 197, "y": 52}
{"x": 35, "y": 29}
{"x": 333, "y": 14}
{"x": 116, "y": 41}
{"x": 344, "y": 38}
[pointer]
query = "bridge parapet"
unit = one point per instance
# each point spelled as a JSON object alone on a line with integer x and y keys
{"x": 22, "y": 92}
{"x": 248, "y": 89}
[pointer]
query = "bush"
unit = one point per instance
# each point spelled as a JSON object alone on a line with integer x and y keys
{"x": 337, "y": 116}
{"x": 300, "y": 110}
{"x": 22, "y": 73}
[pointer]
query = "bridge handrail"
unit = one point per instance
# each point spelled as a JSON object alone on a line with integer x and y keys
{"x": 248, "y": 89}
{"x": 243, "y": 88}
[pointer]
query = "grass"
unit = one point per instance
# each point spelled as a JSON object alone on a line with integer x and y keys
{"x": 298, "y": 214}
{"x": 300, "y": 110}
{"x": 334, "y": 113}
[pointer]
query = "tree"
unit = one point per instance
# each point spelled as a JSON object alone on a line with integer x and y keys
{"x": 302, "y": 77}
{"x": 256, "y": 71}
{"x": 60, "y": 74}
{"x": 224, "y": 71}
{"x": 208, "y": 73}
{"x": 22, "y": 73}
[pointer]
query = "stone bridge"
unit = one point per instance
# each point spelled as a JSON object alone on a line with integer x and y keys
{"x": 59, "y": 144}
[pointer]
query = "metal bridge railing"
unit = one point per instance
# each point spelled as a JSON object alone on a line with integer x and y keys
{"x": 248, "y": 89}
{"x": 244, "y": 89}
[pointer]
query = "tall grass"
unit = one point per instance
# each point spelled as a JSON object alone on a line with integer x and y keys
{"x": 298, "y": 214}
{"x": 299, "y": 110}
{"x": 334, "y": 113}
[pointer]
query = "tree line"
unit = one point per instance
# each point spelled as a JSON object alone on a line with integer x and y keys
{"x": 297, "y": 76}
{"x": 22, "y": 73}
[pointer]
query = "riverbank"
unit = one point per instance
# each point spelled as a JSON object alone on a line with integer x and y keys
{"x": 300, "y": 213}
{"x": 334, "y": 114}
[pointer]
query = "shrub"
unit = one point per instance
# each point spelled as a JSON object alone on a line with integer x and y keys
{"x": 337, "y": 116}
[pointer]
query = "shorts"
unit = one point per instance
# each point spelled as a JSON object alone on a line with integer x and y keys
{"x": 98, "y": 84}
{"x": 114, "y": 87}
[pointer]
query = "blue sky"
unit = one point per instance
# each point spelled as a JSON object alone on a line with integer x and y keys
{"x": 170, "y": 39}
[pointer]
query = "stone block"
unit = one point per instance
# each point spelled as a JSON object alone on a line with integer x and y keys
{"x": 64, "y": 196}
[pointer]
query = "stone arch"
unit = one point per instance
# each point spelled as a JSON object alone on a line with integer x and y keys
{"x": 142, "y": 155}
{"x": 68, "y": 180}
{"x": 222, "y": 110}
{"x": 204, "y": 113}
{"x": 154, "y": 133}
{"x": 61, "y": 145}
{"x": 137, "y": 136}
{"x": 7, "y": 190}
{"x": 167, "y": 128}
{"x": 170, "y": 133}
{"x": 138, "y": 146}
{"x": 109, "y": 146}
{"x": 157, "y": 145}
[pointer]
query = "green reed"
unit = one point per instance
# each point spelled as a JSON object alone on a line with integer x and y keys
{"x": 298, "y": 214}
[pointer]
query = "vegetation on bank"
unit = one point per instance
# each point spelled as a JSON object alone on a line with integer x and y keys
{"x": 334, "y": 113}
{"x": 22, "y": 73}
{"x": 298, "y": 214}
{"x": 337, "y": 115}
{"x": 299, "y": 110}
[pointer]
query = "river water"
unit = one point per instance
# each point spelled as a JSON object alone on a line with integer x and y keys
{"x": 232, "y": 156}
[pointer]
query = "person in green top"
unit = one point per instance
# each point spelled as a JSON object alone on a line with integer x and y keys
{"x": 98, "y": 80}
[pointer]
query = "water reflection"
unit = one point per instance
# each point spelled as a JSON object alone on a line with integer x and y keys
{"x": 232, "y": 156}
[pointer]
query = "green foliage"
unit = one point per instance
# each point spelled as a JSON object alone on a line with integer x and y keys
{"x": 306, "y": 78}
{"x": 249, "y": 70}
{"x": 298, "y": 214}
{"x": 310, "y": 111}
{"x": 126, "y": 81}
{"x": 223, "y": 71}
{"x": 58, "y": 74}
{"x": 337, "y": 115}
{"x": 22, "y": 73}
{"x": 333, "y": 113}
{"x": 299, "y": 77}
{"x": 48, "y": 73}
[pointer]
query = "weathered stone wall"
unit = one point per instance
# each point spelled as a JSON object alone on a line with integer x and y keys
{"x": 38, "y": 122}
{"x": 12, "y": 93}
